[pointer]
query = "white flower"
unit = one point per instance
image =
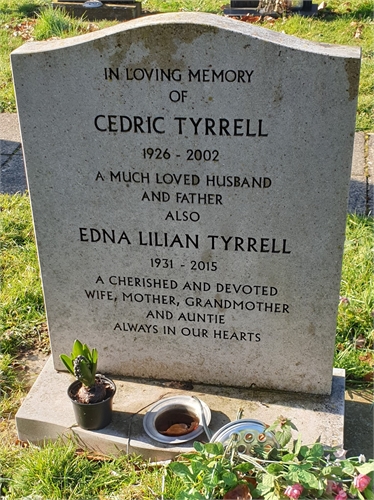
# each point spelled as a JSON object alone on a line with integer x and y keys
{"x": 340, "y": 454}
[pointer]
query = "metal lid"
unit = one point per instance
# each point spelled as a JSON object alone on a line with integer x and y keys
{"x": 92, "y": 4}
{"x": 173, "y": 405}
{"x": 249, "y": 437}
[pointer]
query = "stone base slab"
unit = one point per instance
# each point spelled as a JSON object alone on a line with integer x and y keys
{"x": 47, "y": 413}
{"x": 123, "y": 12}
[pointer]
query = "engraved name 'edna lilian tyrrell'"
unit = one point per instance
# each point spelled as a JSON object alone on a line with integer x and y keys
{"x": 188, "y": 176}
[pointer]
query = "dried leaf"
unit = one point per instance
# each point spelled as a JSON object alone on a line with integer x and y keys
{"x": 250, "y": 18}
{"x": 366, "y": 358}
{"x": 23, "y": 444}
{"x": 252, "y": 481}
{"x": 358, "y": 32}
{"x": 269, "y": 19}
{"x": 322, "y": 6}
{"x": 180, "y": 429}
{"x": 92, "y": 27}
{"x": 240, "y": 492}
{"x": 93, "y": 456}
{"x": 23, "y": 30}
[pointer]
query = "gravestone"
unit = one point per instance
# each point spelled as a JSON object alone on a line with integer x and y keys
{"x": 188, "y": 176}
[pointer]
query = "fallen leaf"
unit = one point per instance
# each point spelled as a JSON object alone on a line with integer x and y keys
{"x": 251, "y": 480}
{"x": 92, "y": 27}
{"x": 23, "y": 30}
{"x": 366, "y": 358}
{"x": 369, "y": 377}
{"x": 240, "y": 492}
{"x": 180, "y": 429}
{"x": 92, "y": 456}
{"x": 250, "y": 18}
{"x": 23, "y": 444}
{"x": 322, "y": 6}
{"x": 358, "y": 32}
{"x": 269, "y": 19}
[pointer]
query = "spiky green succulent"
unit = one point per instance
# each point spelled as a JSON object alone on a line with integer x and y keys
{"x": 82, "y": 363}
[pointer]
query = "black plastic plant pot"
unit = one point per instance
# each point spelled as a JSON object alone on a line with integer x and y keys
{"x": 93, "y": 416}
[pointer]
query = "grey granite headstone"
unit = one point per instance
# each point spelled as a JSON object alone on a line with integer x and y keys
{"x": 189, "y": 177}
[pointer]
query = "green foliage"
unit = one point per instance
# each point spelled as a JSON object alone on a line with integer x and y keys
{"x": 313, "y": 469}
{"x": 55, "y": 23}
{"x": 82, "y": 363}
{"x": 284, "y": 434}
{"x": 208, "y": 473}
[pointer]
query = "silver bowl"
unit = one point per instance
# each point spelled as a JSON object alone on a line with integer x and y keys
{"x": 173, "y": 411}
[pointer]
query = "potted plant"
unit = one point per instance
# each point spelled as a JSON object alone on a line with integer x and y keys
{"x": 91, "y": 394}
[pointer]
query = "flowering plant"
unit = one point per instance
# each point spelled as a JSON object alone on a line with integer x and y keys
{"x": 82, "y": 363}
{"x": 291, "y": 471}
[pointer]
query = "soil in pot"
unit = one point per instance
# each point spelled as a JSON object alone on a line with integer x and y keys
{"x": 103, "y": 389}
{"x": 93, "y": 416}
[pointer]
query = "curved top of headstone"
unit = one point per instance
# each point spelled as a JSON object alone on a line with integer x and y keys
{"x": 207, "y": 22}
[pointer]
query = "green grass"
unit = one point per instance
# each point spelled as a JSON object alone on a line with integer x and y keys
{"x": 21, "y": 295}
{"x": 60, "y": 470}
{"x": 11, "y": 387}
{"x": 55, "y": 23}
{"x": 355, "y": 329}
{"x": 22, "y": 310}
{"x": 347, "y": 23}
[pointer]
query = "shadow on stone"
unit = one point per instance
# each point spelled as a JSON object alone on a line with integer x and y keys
{"x": 13, "y": 176}
{"x": 360, "y": 199}
{"x": 358, "y": 429}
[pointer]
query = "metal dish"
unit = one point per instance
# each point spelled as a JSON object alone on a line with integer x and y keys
{"x": 249, "y": 437}
{"x": 92, "y": 4}
{"x": 175, "y": 408}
